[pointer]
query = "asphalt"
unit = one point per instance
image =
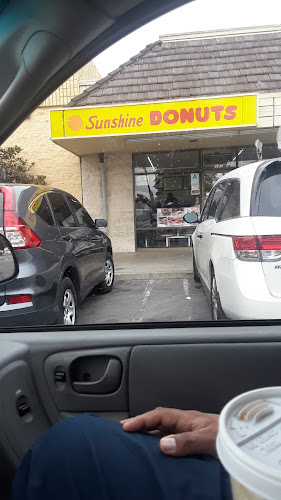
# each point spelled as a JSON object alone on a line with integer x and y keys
{"x": 138, "y": 301}
{"x": 156, "y": 264}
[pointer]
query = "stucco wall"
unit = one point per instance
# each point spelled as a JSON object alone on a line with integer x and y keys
{"x": 62, "y": 168}
{"x": 120, "y": 196}
{"x": 91, "y": 185}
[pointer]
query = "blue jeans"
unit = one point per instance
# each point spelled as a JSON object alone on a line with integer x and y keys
{"x": 88, "y": 458}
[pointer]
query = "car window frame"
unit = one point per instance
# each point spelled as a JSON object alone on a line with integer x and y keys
{"x": 217, "y": 212}
{"x": 230, "y": 181}
{"x": 206, "y": 207}
{"x": 74, "y": 215}
{"x": 41, "y": 195}
{"x": 77, "y": 226}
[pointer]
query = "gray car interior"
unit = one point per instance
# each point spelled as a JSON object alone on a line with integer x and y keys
{"x": 47, "y": 376}
{"x": 53, "y": 373}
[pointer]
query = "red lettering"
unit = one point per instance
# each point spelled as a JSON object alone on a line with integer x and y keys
{"x": 187, "y": 115}
{"x": 99, "y": 125}
{"x": 106, "y": 124}
{"x": 91, "y": 122}
{"x": 139, "y": 121}
{"x": 171, "y": 116}
{"x": 126, "y": 122}
{"x": 217, "y": 110}
{"x": 114, "y": 123}
{"x": 155, "y": 118}
{"x": 121, "y": 121}
{"x": 230, "y": 112}
{"x": 199, "y": 117}
{"x": 132, "y": 122}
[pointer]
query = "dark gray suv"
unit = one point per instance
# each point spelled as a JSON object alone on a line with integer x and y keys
{"x": 62, "y": 255}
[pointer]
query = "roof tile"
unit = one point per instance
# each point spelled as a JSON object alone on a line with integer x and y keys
{"x": 192, "y": 67}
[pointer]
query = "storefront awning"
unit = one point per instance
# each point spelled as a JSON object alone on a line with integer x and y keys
{"x": 157, "y": 126}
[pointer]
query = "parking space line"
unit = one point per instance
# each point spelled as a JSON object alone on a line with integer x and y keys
{"x": 187, "y": 297}
{"x": 145, "y": 297}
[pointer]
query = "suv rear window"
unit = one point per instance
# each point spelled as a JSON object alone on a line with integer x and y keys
{"x": 269, "y": 200}
{"x": 41, "y": 208}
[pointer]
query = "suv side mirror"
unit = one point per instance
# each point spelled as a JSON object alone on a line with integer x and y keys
{"x": 190, "y": 218}
{"x": 8, "y": 261}
{"x": 100, "y": 223}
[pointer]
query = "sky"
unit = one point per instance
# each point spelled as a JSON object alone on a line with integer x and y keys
{"x": 196, "y": 16}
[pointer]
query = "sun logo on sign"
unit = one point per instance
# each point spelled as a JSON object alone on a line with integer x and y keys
{"x": 75, "y": 122}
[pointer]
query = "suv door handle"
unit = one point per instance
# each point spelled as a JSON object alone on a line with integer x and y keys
{"x": 108, "y": 383}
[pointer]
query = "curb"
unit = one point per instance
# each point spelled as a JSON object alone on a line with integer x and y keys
{"x": 151, "y": 276}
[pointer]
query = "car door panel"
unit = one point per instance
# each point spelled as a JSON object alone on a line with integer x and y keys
{"x": 94, "y": 237}
{"x": 204, "y": 373}
{"x": 86, "y": 368}
{"x": 206, "y": 229}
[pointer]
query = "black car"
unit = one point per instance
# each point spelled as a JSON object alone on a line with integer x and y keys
{"x": 62, "y": 255}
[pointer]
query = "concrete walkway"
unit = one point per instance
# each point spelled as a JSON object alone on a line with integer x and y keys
{"x": 153, "y": 264}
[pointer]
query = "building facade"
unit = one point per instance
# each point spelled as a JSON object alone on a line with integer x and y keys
{"x": 155, "y": 134}
{"x": 61, "y": 168}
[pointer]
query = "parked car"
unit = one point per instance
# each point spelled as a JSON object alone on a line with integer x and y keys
{"x": 62, "y": 255}
{"x": 237, "y": 243}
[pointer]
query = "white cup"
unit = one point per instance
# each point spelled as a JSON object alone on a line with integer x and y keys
{"x": 249, "y": 444}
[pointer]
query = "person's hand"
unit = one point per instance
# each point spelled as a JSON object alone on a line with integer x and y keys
{"x": 185, "y": 432}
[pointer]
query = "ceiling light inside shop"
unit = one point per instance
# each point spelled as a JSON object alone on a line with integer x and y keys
{"x": 151, "y": 163}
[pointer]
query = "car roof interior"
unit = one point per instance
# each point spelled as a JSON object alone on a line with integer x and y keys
{"x": 44, "y": 43}
{"x": 196, "y": 366}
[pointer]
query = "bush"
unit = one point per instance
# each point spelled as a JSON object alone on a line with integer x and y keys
{"x": 14, "y": 169}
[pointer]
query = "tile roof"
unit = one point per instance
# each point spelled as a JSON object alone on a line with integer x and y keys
{"x": 193, "y": 67}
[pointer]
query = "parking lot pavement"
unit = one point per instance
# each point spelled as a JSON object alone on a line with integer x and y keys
{"x": 137, "y": 301}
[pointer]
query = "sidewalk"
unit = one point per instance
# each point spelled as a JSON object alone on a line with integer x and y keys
{"x": 153, "y": 264}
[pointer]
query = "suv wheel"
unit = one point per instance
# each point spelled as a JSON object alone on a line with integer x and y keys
{"x": 106, "y": 285}
{"x": 195, "y": 270}
{"x": 67, "y": 303}
{"x": 217, "y": 312}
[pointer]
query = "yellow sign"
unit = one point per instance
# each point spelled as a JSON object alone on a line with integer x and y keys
{"x": 171, "y": 116}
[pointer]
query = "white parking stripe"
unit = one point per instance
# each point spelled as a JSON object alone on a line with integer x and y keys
{"x": 187, "y": 296}
{"x": 146, "y": 295}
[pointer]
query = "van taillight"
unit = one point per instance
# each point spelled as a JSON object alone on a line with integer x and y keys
{"x": 257, "y": 248}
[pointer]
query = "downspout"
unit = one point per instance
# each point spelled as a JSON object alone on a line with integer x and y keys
{"x": 103, "y": 189}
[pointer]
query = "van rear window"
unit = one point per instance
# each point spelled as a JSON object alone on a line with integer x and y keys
{"x": 269, "y": 203}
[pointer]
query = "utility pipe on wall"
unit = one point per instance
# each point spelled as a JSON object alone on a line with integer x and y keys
{"x": 103, "y": 188}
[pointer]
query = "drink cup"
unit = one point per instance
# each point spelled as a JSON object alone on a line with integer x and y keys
{"x": 249, "y": 444}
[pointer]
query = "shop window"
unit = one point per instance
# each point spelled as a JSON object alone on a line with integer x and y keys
{"x": 248, "y": 154}
{"x": 169, "y": 162}
{"x": 224, "y": 159}
{"x": 166, "y": 186}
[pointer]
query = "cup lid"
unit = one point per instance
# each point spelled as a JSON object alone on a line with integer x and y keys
{"x": 249, "y": 441}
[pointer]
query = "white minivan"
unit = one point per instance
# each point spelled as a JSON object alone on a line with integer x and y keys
{"x": 237, "y": 243}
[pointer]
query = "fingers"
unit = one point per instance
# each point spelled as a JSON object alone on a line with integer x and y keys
{"x": 190, "y": 443}
{"x": 162, "y": 419}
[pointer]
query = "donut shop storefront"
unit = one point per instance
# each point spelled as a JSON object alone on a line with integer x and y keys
{"x": 143, "y": 166}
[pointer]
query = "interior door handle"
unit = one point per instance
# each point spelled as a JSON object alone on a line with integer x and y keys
{"x": 108, "y": 383}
